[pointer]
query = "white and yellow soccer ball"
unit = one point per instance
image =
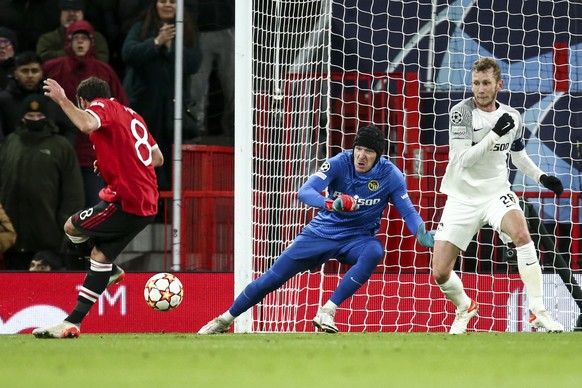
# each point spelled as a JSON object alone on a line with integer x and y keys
{"x": 163, "y": 292}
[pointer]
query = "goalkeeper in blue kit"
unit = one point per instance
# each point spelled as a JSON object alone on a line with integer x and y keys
{"x": 360, "y": 184}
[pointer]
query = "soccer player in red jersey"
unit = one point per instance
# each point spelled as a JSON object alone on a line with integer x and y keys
{"x": 126, "y": 155}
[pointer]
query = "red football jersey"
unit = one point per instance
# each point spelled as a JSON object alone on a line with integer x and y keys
{"x": 123, "y": 148}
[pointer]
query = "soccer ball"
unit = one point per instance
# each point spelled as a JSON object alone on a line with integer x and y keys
{"x": 163, "y": 292}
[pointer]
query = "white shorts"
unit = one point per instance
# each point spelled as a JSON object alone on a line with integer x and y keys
{"x": 461, "y": 221}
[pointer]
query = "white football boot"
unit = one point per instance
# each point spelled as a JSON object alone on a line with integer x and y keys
{"x": 543, "y": 320}
{"x": 215, "y": 326}
{"x": 324, "y": 321}
{"x": 117, "y": 277}
{"x": 63, "y": 329}
{"x": 463, "y": 317}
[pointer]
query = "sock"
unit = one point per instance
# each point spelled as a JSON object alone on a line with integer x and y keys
{"x": 228, "y": 317}
{"x": 530, "y": 272}
{"x": 454, "y": 291}
{"x": 330, "y": 306}
{"x": 93, "y": 286}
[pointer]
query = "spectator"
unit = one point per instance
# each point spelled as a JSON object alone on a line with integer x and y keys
{"x": 7, "y": 232}
{"x": 40, "y": 183}
{"x": 27, "y": 79}
{"x": 149, "y": 52}
{"x": 79, "y": 64}
{"x": 44, "y": 261}
{"x": 8, "y": 48}
{"x": 51, "y": 45}
{"x": 216, "y": 26}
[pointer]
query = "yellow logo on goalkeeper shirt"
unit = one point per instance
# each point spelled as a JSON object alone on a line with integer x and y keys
{"x": 373, "y": 185}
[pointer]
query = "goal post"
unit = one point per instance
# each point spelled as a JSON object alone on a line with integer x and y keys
{"x": 309, "y": 73}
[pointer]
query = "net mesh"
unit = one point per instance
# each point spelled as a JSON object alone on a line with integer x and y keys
{"x": 321, "y": 69}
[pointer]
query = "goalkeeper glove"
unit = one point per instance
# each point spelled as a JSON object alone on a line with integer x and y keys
{"x": 552, "y": 183}
{"x": 426, "y": 239}
{"x": 343, "y": 203}
{"x": 504, "y": 124}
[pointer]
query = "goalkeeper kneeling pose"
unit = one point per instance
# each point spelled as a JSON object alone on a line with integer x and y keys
{"x": 360, "y": 184}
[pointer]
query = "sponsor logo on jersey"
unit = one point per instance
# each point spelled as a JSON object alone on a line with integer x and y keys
{"x": 360, "y": 201}
{"x": 500, "y": 147}
{"x": 368, "y": 201}
{"x": 325, "y": 167}
{"x": 373, "y": 185}
{"x": 404, "y": 196}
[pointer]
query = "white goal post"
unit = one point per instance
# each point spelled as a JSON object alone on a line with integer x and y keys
{"x": 309, "y": 73}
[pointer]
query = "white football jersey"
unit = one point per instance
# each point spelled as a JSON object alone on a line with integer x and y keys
{"x": 477, "y": 166}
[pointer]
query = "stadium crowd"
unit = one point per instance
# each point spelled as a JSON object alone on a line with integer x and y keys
{"x": 131, "y": 45}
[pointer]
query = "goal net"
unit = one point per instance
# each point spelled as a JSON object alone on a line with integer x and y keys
{"x": 321, "y": 69}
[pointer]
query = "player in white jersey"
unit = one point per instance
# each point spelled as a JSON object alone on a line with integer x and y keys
{"x": 482, "y": 133}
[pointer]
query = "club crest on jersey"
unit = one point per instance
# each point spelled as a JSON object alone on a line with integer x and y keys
{"x": 373, "y": 185}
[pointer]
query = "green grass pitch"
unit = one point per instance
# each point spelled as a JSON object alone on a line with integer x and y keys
{"x": 294, "y": 360}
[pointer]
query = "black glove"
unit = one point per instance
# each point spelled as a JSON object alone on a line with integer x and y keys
{"x": 504, "y": 124}
{"x": 552, "y": 183}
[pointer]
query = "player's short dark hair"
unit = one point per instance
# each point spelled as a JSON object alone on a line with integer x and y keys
{"x": 485, "y": 63}
{"x": 92, "y": 88}
{"x": 371, "y": 137}
{"x": 26, "y": 58}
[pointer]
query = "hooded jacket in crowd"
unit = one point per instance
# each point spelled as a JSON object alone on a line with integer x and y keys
{"x": 40, "y": 181}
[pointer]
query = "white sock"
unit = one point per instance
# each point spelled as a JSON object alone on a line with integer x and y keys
{"x": 531, "y": 276}
{"x": 77, "y": 239}
{"x": 454, "y": 291}
{"x": 330, "y": 306}
{"x": 227, "y": 316}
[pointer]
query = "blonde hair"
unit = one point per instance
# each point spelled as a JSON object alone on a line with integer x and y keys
{"x": 483, "y": 64}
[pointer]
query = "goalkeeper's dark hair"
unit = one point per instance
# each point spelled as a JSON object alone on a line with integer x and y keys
{"x": 92, "y": 88}
{"x": 483, "y": 64}
{"x": 371, "y": 137}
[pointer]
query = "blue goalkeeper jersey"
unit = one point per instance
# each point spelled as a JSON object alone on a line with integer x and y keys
{"x": 373, "y": 190}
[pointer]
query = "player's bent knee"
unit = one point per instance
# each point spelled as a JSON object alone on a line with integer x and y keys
{"x": 70, "y": 229}
{"x": 375, "y": 251}
{"x": 521, "y": 238}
